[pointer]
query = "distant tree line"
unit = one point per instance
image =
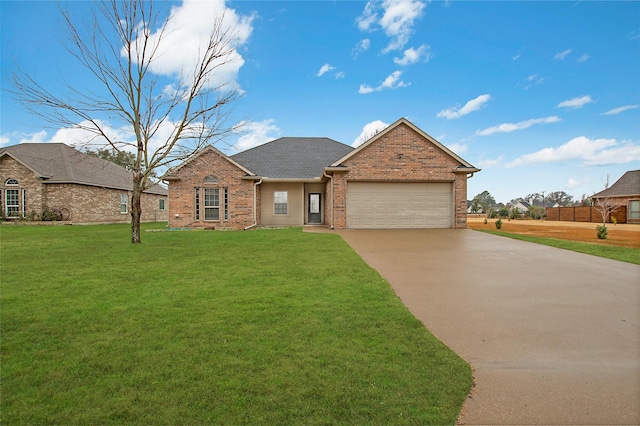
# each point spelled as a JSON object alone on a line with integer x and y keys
{"x": 484, "y": 202}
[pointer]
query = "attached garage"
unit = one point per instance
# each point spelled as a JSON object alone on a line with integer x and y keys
{"x": 400, "y": 205}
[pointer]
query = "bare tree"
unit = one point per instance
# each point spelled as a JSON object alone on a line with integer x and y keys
{"x": 119, "y": 50}
{"x": 605, "y": 204}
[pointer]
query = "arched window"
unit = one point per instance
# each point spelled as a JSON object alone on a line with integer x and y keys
{"x": 211, "y": 179}
{"x": 11, "y": 182}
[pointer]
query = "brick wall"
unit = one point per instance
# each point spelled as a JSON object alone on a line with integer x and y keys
{"x": 86, "y": 204}
{"x": 192, "y": 175}
{"x": 401, "y": 154}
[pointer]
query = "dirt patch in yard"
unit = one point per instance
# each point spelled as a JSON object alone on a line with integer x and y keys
{"x": 623, "y": 235}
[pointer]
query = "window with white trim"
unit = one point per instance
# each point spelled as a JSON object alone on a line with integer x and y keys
{"x": 211, "y": 204}
{"x": 124, "y": 203}
{"x": 11, "y": 182}
{"x": 634, "y": 209}
{"x": 12, "y": 202}
{"x": 280, "y": 202}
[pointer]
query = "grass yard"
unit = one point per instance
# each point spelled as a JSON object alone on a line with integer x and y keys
{"x": 202, "y": 327}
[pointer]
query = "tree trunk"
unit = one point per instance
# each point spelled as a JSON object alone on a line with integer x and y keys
{"x": 136, "y": 210}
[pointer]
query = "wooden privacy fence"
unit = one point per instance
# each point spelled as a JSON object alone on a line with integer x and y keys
{"x": 584, "y": 214}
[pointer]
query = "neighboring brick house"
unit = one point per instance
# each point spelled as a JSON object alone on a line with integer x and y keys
{"x": 624, "y": 192}
{"x": 43, "y": 176}
{"x": 400, "y": 178}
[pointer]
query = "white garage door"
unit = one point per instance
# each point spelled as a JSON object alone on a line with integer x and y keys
{"x": 399, "y": 205}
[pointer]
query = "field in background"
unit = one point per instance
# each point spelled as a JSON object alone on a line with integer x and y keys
{"x": 621, "y": 235}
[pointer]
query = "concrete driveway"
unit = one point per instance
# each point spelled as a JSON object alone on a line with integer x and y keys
{"x": 553, "y": 336}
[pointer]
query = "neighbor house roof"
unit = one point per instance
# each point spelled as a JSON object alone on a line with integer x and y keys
{"x": 60, "y": 163}
{"x": 627, "y": 185}
{"x": 292, "y": 157}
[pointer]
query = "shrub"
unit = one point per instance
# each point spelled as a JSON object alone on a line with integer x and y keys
{"x": 602, "y": 232}
{"x": 485, "y": 220}
{"x": 499, "y": 224}
{"x": 614, "y": 220}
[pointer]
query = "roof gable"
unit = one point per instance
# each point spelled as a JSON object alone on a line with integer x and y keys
{"x": 463, "y": 164}
{"x": 60, "y": 163}
{"x": 292, "y": 157}
{"x": 172, "y": 173}
{"x": 627, "y": 185}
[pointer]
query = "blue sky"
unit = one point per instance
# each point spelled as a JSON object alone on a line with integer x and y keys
{"x": 542, "y": 96}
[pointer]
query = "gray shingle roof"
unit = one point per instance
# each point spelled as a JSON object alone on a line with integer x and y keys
{"x": 292, "y": 157}
{"x": 60, "y": 163}
{"x": 628, "y": 184}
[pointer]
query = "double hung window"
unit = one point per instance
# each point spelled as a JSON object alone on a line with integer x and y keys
{"x": 211, "y": 204}
{"x": 634, "y": 209}
{"x": 280, "y": 202}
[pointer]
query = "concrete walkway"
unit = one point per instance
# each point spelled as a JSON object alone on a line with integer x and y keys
{"x": 553, "y": 336}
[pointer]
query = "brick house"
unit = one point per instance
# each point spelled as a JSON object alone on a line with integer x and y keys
{"x": 624, "y": 192}
{"x": 43, "y": 176}
{"x": 400, "y": 178}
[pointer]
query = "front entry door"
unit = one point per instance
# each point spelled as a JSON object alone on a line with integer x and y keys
{"x": 315, "y": 212}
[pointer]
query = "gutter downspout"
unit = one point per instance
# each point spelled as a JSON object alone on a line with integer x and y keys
{"x": 330, "y": 177}
{"x": 255, "y": 213}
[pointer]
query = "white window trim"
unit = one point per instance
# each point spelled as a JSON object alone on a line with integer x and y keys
{"x": 124, "y": 197}
{"x": 276, "y": 203}
{"x": 212, "y": 207}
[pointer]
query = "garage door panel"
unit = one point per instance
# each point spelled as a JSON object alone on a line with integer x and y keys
{"x": 399, "y": 205}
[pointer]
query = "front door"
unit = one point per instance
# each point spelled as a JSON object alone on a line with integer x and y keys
{"x": 315, "y": 215}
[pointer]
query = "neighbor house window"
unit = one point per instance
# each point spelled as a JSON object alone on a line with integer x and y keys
{"x": 280, "y": 202}
{"x": 11, "y": 182}
{"x": 634, "y": 209}
{"x": 197, "y": 204}
{"x": 12, "y": 202}
{"x": 124, "y": 203}
{"x": 211, "y": 204}
{"x": 161, "y": 204}
{"x": 226, "y": 203}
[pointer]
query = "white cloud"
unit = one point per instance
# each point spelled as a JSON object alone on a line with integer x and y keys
{"x": 578, "y": 102}
{"x": 458, "y": 148}
{"x": 412, "y": 56}
{"x": 362, "y": 46}
{"x": 533, "y": 79}
{"x": 561, "y": 55}
{"x": 488, "y": 164}
{"x": 391, "y": 82}
{"x": 512, "y": 127}
{"x": 620, "y": 109}
{"x": 368, "y": 131}
{"x": 590, "y": 151}
{"x": 4, "y": 140}
{"x": 255, "y": 133}
{"x": 395, "y": 17}
{"x": 573, "y": 183}
{"x": 340, "y": 75}
{"x": 187, "y": 36}
{"x": 583, "y": 58}
{"x": 325, "y": 69}
{"x": 627, "y": 153}
{"x": 471, "y": 106}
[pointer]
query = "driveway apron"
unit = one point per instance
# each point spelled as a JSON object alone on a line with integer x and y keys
{"x": 552, "y": 335}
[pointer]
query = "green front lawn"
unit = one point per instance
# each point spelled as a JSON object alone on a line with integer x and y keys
{"x": 210, "y": 327}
